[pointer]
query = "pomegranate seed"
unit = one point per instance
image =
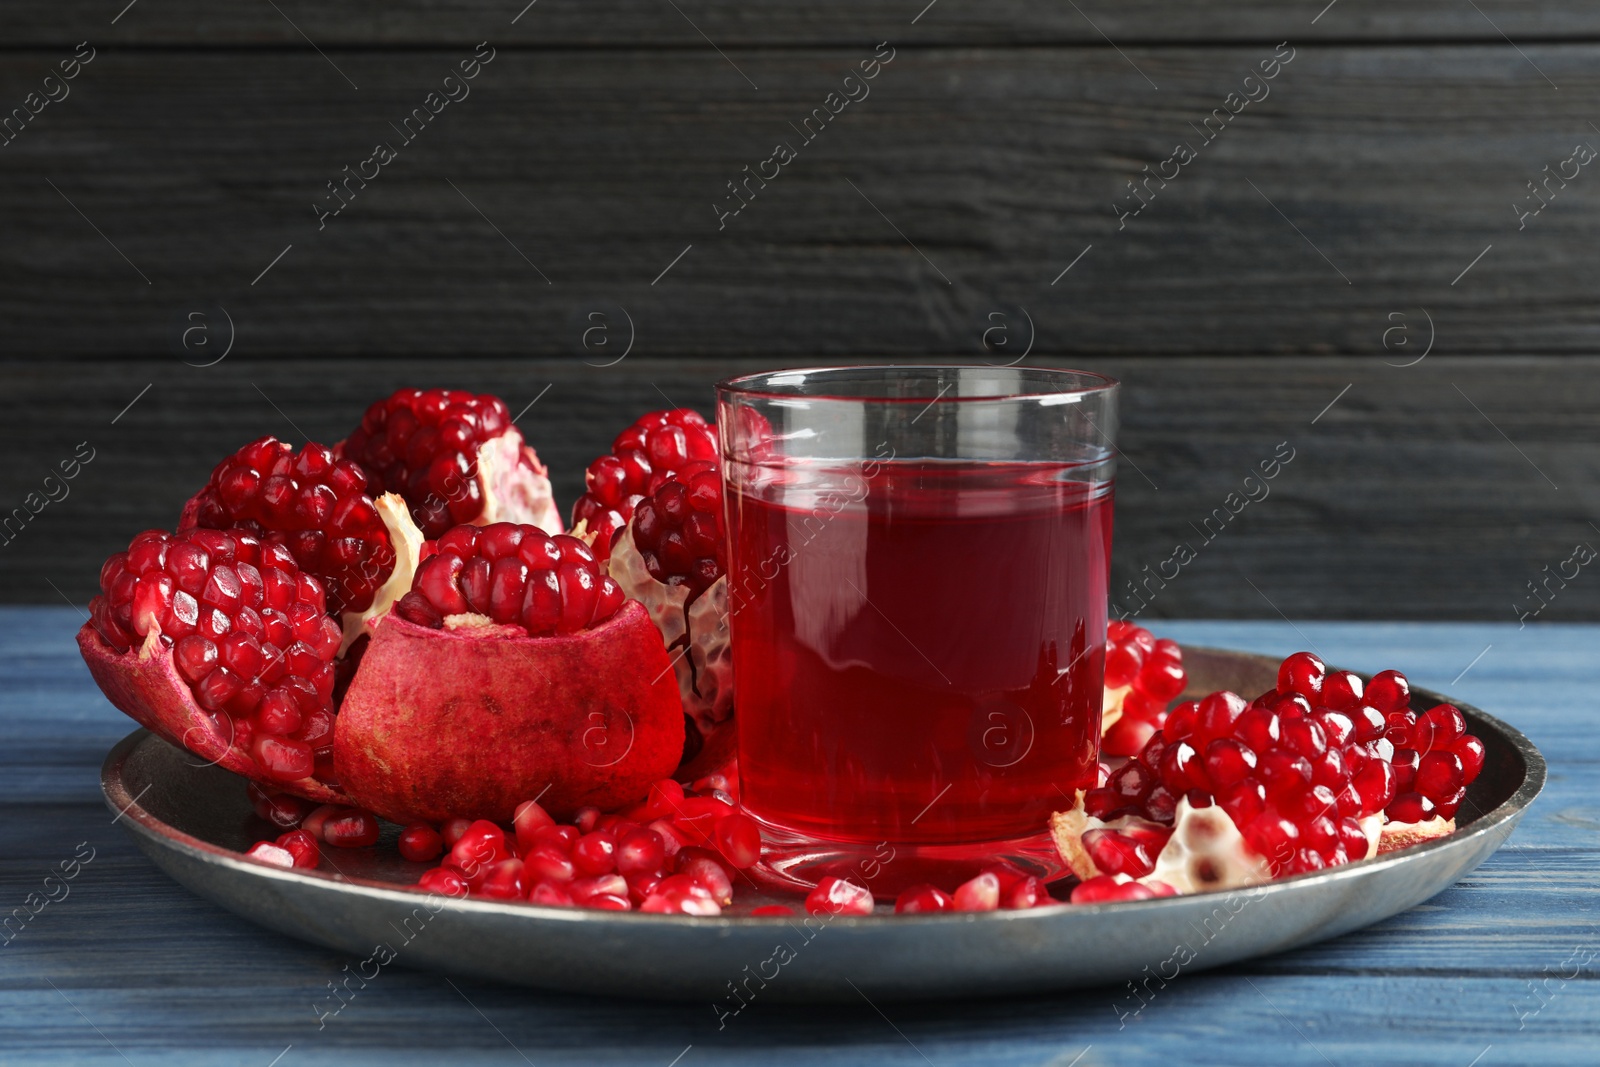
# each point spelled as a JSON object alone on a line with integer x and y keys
{"x": 442, "y": 880}
{"x": 919, "y": 898}
{"x": 1441, "y": 726}
{"x": 505, "y": 881}
{"x": 1180, "y": 721}
{"x": 1105, "y": 889}
{"x": 672, "y": 839}
{"x": 1127, "y": 736}
{"x": 640, "y": 851}
{"x": 1352, "y": 838}
{"x": 550, "y": 896}
{"x": 528, "y": 820}
{"x": 981, "y": 893}
{"x": 835, "y": 896}
{"x": 351, "y": 828}
{"x": 1471, "y": 752}
{"x": 1377, "y": 783}
{"x": 595, "y": 853}
{"x": 1217, "y": 714}
{"x": 313, "y": 822}
{"x": 739, "y": 839}
{"x": 1448, "y": 805}
{"x": 596, "y": 885}
{"x": 1389, "y": 692}
{"x": 267, "y": 852}
{"x": 452, "y": 830}
{"x": 1439, "y": 774}
{"x": 608, "y": 902}
{"x": 280, "y": 809}
{"x": 420, "y": 843}
{"x": 1228, "y": 761}
{"x": 708, "y": 872}
{"x": 1027, "y": 893}
{"x": 772, "y": 909}
{"x": 481, "y": 845}
{"x": 1410, "y": 808}
{"x": 1115, "y": 853}
{"x": 302, "y": 846}
{"x": 585, "y": 819}
{"x": 1302, "y": 673}
{"x": 1123, "y": 662}
{"x": 1341, "y": 691}
{"x": 547, "y": 863}
{"x": 1258, "y": 728}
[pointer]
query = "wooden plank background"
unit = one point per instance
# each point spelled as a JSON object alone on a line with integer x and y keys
{"x": 1358, "y": 216}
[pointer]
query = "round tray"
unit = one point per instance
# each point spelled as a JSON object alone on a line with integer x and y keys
{"x": 194, "y": 822}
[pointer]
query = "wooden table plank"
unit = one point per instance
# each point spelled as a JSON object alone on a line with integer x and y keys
{"x": 1000, "y": 165}
{"x": 174, "y": 980}
{"x": 827, "y": 22}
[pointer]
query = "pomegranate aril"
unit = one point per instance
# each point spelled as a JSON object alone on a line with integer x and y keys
{"x": 922, "y": 898}
{"x": 607, "y": 902}
{"x": 443, "y": 880}
{"x": 269, "y": 853}
{"x": 1027, "y": 893}
{"x": 1243, "y": 801}
{"x": 1440, "y": 727}
{"x": 1228, "y": 762}
{"x": 595, "y": 853}
{"x": 707, "y": 872}
{"x": 1302, "y": 673}
{"x": 739, "y": 840}
{"x": 282, "y": 759}
{"x": 1116, "y": 853}
{"x": 1377, "y": 783}
{"x": 1471, "y": 752}
{"x": 505, "y": 881}
{"x": 1352, "y": 839}
{"x": 302, "y": 846}
{"x": 420, "y": 843}
{"x": 351, "y": 828}
{"x": 1439, "y": 774}
{"x": 640, "y": 851}
{"x": 1389, "y": 691}
{"x": 550, "y": 896}
{"x": 1273, "y": 837}
{"x": 1133, "y": 781}
{"x": 980, "y": 893}
{"x": 1105, "y": 889}
{"x": 1410, "y": 808}
{"x": 836, "y": 896}
{"x": 280, "y": 809}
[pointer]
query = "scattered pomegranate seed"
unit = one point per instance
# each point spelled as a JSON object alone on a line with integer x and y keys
{"x": 302, "y": 846}
{"x": 282, "y": 810}
{"x": 443, "y": 880}
{"x": 515, "y": 575}
{"x": 420, "y": 843}
{"x": 1105, "y": 889}
{"x": 981, "y": 893}
{"x": 269, "y": 853}
{"x": 836, "y": 896}
{"x": 641, "y": 458}
{"x": 351, "y": 828}
{"x": 920, "y": 898}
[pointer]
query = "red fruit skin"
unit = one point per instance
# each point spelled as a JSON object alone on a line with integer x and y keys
{"x": 152, "y": 693}
{"x": 445, "y": 723}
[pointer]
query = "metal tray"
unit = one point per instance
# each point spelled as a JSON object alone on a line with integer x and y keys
{"x": 194, "y": 821}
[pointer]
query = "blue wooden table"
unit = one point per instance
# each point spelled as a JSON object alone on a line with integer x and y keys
{"x": 126, "y": 967}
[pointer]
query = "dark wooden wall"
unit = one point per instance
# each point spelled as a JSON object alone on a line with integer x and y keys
{"x": 1357, "y": 217}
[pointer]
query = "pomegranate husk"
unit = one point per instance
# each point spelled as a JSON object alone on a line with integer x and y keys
{"x": 1398, "y": 835}
{"x": 516, "y": 486}
{"x": 469, "y": 722}
{"x": 144, "y": 684}
{"x": 702, "y": 654}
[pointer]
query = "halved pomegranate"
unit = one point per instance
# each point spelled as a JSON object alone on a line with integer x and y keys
{"x": 512, "y": 669}
{"x": 1297, "y": 780}
{"x": 221, "y": 644}
{"x": 455, "y": 457}
{"x": 641, "y": 458}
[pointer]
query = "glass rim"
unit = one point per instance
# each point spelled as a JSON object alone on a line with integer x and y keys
{"x": 758, "y": 385}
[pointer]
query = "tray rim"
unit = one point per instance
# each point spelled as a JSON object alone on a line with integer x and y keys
{"x": 157, "y": 832}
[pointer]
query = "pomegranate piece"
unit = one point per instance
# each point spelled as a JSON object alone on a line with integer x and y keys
{"x": 836, "y": 896}
{"x": 220, "y": 644}
{"x": 420, "y": 843}
{"x": 641, "y": 458}
{"x": 476, "y": 719}
{"x": 312, "y": 503}
{"x": 455, "y": 457}
{"x": 512, "y": 575}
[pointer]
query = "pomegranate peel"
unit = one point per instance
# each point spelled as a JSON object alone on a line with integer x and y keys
{"x": 588, "y": 718}
{"x": 144, "y": 684}
{"x": 697, "y": 633}
{"x": 406, "y": 540}
{"x": 1398, "y": 835}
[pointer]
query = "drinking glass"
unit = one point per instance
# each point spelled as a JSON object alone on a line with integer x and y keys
{"x": 918, "y": 564}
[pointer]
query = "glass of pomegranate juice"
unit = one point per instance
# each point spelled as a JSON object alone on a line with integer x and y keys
{"x": 917, "y": 572}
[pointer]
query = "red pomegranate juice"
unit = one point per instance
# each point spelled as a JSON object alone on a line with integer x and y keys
{"x": 919, "y": 651}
